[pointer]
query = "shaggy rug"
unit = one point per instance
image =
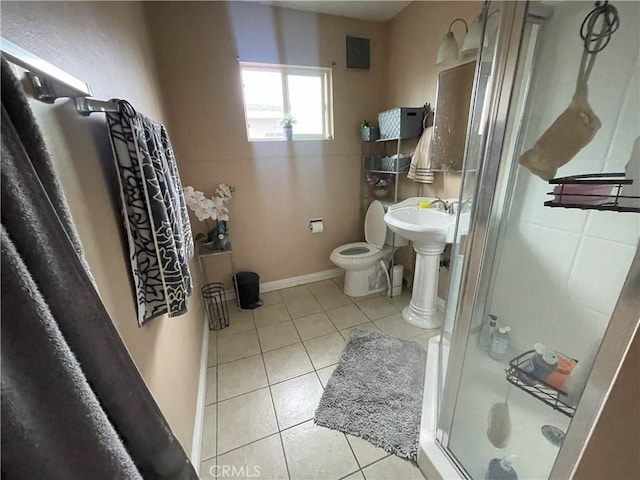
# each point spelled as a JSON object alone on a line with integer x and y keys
{"x": 375, "y": 392}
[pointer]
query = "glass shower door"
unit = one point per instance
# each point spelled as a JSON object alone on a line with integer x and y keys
{"x": 552, "y": 275}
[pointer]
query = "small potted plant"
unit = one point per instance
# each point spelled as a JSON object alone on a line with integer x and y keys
{"x": 380, "y": 184}
{"x": 287, "y": 122}
{"x": 214, "y": 208}
{"x": 369, "y": 133}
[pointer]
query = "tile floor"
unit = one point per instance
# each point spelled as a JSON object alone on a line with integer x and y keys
{"x": 266, "y": 373}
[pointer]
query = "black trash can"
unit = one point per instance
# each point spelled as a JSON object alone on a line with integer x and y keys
{"x": 248, "y": 287}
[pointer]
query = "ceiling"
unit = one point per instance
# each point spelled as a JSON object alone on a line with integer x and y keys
{"x": 374, "y": 10}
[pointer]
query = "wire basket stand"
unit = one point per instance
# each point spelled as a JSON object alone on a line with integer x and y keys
{"x": 213, "y": 295}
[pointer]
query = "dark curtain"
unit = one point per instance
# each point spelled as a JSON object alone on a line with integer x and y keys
{"x": 74, "y": 406}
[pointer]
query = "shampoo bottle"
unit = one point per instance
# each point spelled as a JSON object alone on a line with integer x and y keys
{"x": 500, "y": 344}
{"x": 501, "y": 469}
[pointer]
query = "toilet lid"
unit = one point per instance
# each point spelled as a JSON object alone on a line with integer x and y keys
{"x": 375, "y": 230}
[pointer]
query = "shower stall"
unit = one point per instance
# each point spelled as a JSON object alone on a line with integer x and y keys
{"x": 565, "y": 278}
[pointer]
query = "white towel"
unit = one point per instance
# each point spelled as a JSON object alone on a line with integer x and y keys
{"x": 420, "y": 168}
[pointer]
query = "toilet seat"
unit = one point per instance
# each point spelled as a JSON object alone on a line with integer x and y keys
{"x": 356, "y": 251}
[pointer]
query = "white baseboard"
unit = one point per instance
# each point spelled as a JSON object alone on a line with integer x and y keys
{"x": 441, "y": 304}
{"x": 301, "y": 280}
{"x": 198, "y": 425}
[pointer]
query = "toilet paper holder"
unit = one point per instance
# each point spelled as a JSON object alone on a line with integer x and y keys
{"x": 316, "y": 225}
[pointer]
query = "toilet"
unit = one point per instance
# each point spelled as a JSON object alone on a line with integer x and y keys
{"x": 364, "y": 274}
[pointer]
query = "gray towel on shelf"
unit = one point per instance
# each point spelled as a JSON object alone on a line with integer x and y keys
{"x": 155, "y": 213}
{"x": 73, "y": 403}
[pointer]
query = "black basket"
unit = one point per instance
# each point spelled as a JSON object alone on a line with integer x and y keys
{"x": 536, "y": 387}
{"x": 214, "y": 303}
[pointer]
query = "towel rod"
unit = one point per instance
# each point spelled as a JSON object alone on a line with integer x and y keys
{"x": 49, "y": 82}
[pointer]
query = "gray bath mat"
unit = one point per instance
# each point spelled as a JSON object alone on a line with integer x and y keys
{"x": 375, "y": 392}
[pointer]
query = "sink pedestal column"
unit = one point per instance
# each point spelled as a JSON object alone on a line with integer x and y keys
{"x": 422, "y": 311}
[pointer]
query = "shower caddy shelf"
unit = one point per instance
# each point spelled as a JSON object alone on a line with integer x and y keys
{"x": 610, "y": 202}
{"x": 541, "y": 390}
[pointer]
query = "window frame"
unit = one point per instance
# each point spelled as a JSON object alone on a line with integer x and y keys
{"x": 326, "y": 78}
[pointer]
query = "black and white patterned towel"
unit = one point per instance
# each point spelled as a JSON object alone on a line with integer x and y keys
{"x": 154, "y": 211}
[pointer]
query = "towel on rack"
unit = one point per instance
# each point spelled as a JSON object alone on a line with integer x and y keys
{"x": 155, "y": 213}
{"x": 420, "y": 168}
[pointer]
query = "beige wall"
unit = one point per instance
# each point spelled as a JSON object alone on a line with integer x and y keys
{"x": 414, "y": 37}
{"x": 281, "y": 185}
{"x": 106, "y": 45}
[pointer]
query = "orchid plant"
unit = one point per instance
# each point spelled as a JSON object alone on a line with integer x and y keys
{"x": 380, "y": 182}
{"x": 214, "y": 208}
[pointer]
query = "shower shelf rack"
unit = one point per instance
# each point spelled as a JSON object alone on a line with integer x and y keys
{"x": 567, "y": 198}
{"x": 541, "y": 390}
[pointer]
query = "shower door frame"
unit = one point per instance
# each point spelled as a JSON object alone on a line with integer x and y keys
{"x": 482, "y": 246}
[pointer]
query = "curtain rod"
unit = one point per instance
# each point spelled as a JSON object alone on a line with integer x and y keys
{"x": 50, "y": 83}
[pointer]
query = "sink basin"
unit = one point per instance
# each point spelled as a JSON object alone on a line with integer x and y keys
{"x": 430, "y": 231}
{"x": 423, "y": 226}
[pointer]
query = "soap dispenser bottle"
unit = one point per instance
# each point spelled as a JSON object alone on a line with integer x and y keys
{"x": 486, "y": 334}
{"x": 501, "y": 469}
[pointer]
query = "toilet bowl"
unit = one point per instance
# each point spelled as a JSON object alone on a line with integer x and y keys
{"x": 364, "y": 273}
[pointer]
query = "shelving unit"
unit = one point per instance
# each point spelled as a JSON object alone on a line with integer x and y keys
{"x": 366, "y": 189}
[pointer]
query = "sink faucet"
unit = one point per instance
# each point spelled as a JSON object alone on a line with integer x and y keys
{"x": 439, "y": 205}
{"x": 451, "y": 208}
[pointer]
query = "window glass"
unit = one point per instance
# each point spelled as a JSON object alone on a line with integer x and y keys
{"x": 272, "y": 92}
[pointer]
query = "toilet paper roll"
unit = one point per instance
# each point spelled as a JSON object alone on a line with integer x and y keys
{"x": 316, "y": 226}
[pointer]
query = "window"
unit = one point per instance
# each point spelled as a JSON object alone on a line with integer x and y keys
{"x": 271, "y": 91}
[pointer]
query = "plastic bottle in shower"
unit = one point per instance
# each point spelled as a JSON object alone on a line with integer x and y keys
{"x": 500, "y": 344}
{"x": 486, "y": 334}
{"x": 501, "y": 469}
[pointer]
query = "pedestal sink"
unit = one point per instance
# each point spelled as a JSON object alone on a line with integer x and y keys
{"x": 430, "y": 230}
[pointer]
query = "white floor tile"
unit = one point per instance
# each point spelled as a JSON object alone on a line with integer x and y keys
{"x": 261, "y": 459}
{"x": 245, "y": 419}
{"x": 325, "y": 351}
{"x": 323, "y": 286}
{"x": 271, "y": 315}
{"x": 325, "y": 374}
{"x": 239, "y": 321}
{"x": 366, "y": 452}
{"x": 312, "y": 326}
{"x": 299, "y": 307}
{"x": 317, "y": 453}
{"x": 332, "y": 299}
{"x": 398, "y": 327}
{"x": 212, "y": 353}
{"x": 347, "y": 316}
{"x": 287, "y": 362}
{"x": 377, "y": 307}
{"x": 339, "y": 282}
{"x": 296, "y": 400}
{"x": 401, "y": 300}
{"x": 363, "y": 326}
{"x": 425, "y": 337}
{"x": 211, "y": 391}
{"x": 355, "y": 476}
{"x": 270, "y": 298}
{"x": 238, "y": 346}
{"x": 278, "y": 335}
{"x": 295, "y": 292}
{"x": 392, "y": 467}
{"x": 209, "y": 433}
{"x": 241, "y": 376}
{"x": 208, "y": 470}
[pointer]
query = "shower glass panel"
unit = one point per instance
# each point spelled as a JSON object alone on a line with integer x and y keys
{"x": 552, "y": 275}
